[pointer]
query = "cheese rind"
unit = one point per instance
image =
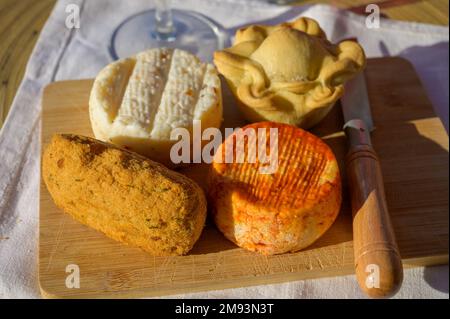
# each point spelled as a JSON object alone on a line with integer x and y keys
{"x": 136, "y": 103}
{"x": 106, "y": 95}
{"x": 285, "y": 211}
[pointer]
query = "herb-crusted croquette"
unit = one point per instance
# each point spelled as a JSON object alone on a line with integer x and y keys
{"x": 124, "y": 195}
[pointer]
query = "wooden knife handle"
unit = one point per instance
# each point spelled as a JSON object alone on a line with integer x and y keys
{"x": 378, "y": 264}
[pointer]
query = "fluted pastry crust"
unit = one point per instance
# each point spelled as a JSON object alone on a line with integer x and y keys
{"x": 288, "y": 73}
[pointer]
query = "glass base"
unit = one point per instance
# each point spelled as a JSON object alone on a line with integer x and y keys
{"x": 193, "y": 32}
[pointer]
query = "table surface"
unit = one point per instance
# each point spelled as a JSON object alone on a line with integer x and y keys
{"x": 22, "y": 20}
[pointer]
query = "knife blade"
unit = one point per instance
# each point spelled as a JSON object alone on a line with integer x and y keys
{"x": 378, "y": 264}
{"x": 355, "y": 101}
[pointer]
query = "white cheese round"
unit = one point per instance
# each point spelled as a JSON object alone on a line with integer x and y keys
{"x": 136, "y": 102}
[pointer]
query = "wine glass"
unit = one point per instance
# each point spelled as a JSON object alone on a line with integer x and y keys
{"x": 166, "y": 27}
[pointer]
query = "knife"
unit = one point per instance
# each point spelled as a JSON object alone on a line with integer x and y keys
{"x": 378, "y": 265}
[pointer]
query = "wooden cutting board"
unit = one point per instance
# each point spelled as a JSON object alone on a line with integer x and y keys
{"x": 409, "y": 138}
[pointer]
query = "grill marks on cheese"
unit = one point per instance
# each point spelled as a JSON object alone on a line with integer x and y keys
{"x": 281, "y": 212}
{"x": 144, "y": 88}
{"x": 306, "y": 170}
{"x": 163, "y": 92}
{"x": 181, "y": 92}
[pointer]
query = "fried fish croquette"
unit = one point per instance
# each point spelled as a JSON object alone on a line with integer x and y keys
{"x": 126, "y": 196}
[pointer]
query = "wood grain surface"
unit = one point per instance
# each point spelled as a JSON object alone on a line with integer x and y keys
{"x": 20, "y": 24}
{"x": 22, "y": 20}
{"x": 412, "y": 146}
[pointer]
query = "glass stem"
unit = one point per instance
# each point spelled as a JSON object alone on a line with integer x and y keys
{"x": 165, "y": 29}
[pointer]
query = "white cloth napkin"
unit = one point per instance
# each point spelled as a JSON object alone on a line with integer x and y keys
{"x": 63, "y": 53}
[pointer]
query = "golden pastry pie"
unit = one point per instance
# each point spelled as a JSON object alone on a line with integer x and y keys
{"x": 288, "y": 73}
